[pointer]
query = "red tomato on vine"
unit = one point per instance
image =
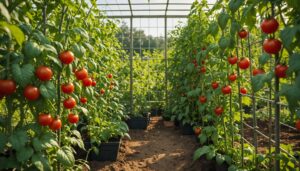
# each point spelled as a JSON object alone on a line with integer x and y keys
{"x": 67, "y": 88}
{"x": 244, "y": 63}
{"x": 73, "y": 118}
{"x": 269, "y": 25}
{"x": 44, "y": 73}
{"x": 81, "y": 74}
{"x": 280, "y": 70}
{"x": 55, "y": 125}
{"x": 45, "y": 119}
{"x": 31, "y": 93}
{"x": 272, "y": 46}
{"x": 7, "y": 87}
{"x": 66, "y": 57}
{"x": 69, "y": 103}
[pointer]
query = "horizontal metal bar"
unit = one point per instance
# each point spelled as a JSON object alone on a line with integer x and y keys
{"x": 147, "y": 16}
{"x": 145, "y": 4}
{"x": 146, "y": 10}
{"x": 265, "y": 136}
{"x": 265, "y": 99}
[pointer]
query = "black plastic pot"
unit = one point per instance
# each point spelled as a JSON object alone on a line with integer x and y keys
{"x": 177, "y": 123}
{"x": 138, "y": 122}
{"x": 154, "y": 112}
{"x": 80, "y": 153}
{"x": 222, "y": 167}
{"x": 107, "y": 151}
{"x": 186, "y": 129}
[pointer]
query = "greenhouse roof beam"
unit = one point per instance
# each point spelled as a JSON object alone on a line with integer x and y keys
{"x": 145, "y": 4}
{"x": 167, "y": 6}
{"x": 151, "y": 10}
{"x": 130, "y": 7}
{"x": 147, "y": 16}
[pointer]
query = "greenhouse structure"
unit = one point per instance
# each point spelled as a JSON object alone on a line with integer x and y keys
{"x": 150, "y": 85}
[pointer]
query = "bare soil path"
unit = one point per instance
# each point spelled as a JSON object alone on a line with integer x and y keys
{"x": 156, "y": 149}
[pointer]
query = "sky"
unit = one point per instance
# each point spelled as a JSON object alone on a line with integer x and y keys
{"x": 151, "y": 26}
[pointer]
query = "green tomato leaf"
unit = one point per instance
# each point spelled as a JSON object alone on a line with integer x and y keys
{"x": 200, "y": 152}
{"x": 234, "y": 5}
{"x": 224, "y": 42}
{"x": 3, "y": 141}
{"x": 4, "y": 11}
{"x": 263, "y": 59}
{"x": 203, "y": 138}
{"x": 48, "y": 90}
{"x": 18, "y": 139}
{"x": 17, "y": 33}
{"x": 213, "y": 29}
{"x": 288, "y": 34}
{"x": 220, "y": 159}
{"x": 24, "y": 154}
{"x": 247, "y": 17}
{"x": 223, "y": 20}
{"x": 23, "y": 75}
{"x": 65, "y": 156}
{"x": 40, "y": 162}
{"x": 235, "y": 27}
{"x": 294, "y": 63}
{"x": 37, "y": 144}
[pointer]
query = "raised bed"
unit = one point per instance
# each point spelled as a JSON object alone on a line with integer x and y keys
{"x": 108, "y": 151}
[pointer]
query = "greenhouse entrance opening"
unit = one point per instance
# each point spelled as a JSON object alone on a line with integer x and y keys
{"x": 150, "y": 85}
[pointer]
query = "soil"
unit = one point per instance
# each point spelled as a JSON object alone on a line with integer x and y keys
{"x": 158, "y": 148}
{"x": 287, "y": 135}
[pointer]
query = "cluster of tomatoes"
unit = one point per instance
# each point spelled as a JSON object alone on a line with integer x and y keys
{"x": 270, "y": 46}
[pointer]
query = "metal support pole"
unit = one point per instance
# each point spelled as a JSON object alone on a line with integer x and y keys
{"x": 131, "y": 67}
{"x": 253, "y": 104}
{"x": 166, "y": 64}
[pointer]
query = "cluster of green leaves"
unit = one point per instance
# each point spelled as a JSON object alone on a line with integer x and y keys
{"x": 34, "y": 33}
{"x": 207, "y": 40}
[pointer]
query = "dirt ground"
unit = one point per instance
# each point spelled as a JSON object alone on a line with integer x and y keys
{"x": 156, "y": 149}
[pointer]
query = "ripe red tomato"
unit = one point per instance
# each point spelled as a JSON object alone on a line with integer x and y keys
{"x": 94, "y": 83}
{"x": 45, "y": 119}
{"x": 244, "y": 63}
{"x": 272, "y": 46}
{"x": 297, "y": 125}
{"x": 280, "y": 70}
{"x": 44, "y": 73}
{"x": 269, "y": 25}
{"x": 197, "y": 131}
{"x": 102, "y": 91}
{"x": 232, "y": 59}
{"x": 219, "y": 110}
{"x": 66, "y": 57}
{"x": 31, "y": 93}
{"x": 67, "y": 88}
{"x": 87, "y": 82}
{"x": 55, "y": 125}
{"x": 214, "y": 85}
{"x": 81, "y": 74}
{"x": 109, "y": 76}
{"x": 202, "y": 99}
{"x": 232, "y": 77}
{"x": 203, "y": 69}
{"x": 7, "y": 87}
{"x": 243, "y": 90}
{"x": 69, "y": 103}
{"x": 73, "y": 118}
{"x": 83, "y": 100}
{"x": 258, "y": 71}
{"x": 243, "y": 34}
{"x": 202, "y": 62}
{"x": 226, "y": 89}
